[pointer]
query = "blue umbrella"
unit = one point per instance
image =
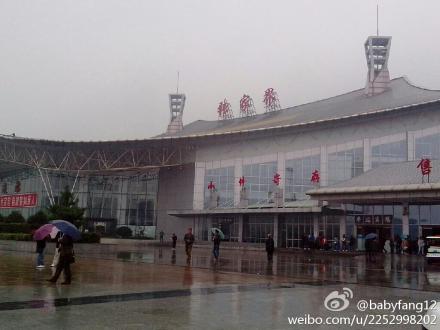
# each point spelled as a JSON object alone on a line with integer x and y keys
{"x": 371, "y": 236}
{"x": 67, "y": 228}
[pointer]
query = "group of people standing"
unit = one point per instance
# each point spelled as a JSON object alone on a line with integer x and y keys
{"x": 343, "y": 244}
{"x": 64, "y": 256}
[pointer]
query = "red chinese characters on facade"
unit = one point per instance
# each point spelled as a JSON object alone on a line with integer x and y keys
{"x": 224, "y": 110}
{"x": 211, "y": 186}
{"x": 315, "y": 176}
{"x": 271, "y": 102}
{"x": 277, "y": 179}
{"x": 246, "y": 106}
{"x": 242, "y": 181}
{"x": 425, "y": 167}
{"x": 18, "y": 201}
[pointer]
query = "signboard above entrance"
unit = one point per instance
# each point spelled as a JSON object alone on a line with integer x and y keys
{"x": 373, "y": 220}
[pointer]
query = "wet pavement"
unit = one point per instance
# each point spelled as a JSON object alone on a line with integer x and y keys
{"x": 155, "y": 288}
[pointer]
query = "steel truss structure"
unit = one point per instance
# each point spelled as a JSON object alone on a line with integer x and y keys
{"x": 93, "y": 156}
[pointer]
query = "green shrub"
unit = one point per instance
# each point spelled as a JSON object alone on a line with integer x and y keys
{"x": 90, "y": 238}
{"x": 15, "y": 228}
{"x": 38, "y": 219}
{"x": 14, "y": 217}
{"x": 124, "y": 232}
{"x": 16, "y": 236}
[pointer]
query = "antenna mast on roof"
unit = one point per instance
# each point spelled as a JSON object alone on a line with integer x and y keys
{"x": 377, "y": 19}
{"x": 177, "y": 92}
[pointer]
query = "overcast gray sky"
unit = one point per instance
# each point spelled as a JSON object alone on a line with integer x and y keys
{"x": 102, "y": 70}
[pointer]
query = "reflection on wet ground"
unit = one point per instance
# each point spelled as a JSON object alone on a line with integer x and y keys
{"x": 155, "y": 288}
{"x": 400, "y": 271}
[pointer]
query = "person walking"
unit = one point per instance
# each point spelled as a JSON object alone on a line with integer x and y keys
{"x": 216, "y": 247}
{"x": 270, "y": 247}
{"x": 189, "y": 241}
{"x": 66, "y": 258}
{"x": 352, "y": 243}
{"x": 344, "y": 243}
{"x": 398, "y": 244}
{"x": 174, "y": 239}
{"x": 161, "y": 234}
{"x": 387, "y": 247}
{"x": 421, "y": 245}
{"x": 56, "y": 256}
{"x": 41, "y": 245}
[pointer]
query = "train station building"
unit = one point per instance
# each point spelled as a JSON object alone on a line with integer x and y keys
{"x": 342, "y": 165}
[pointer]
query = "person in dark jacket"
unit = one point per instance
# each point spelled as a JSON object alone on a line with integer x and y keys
{"x": 189, "y": 241}
{"x": 41, "y": 245}
{"x": 270, "y": 247}
{"x": 66, "y": 258}
{"x": 174, "y": 238}
{"x": 216, "y": 247}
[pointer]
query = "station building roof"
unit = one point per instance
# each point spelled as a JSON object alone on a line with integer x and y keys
{"x": 389, "y": 181}
{"x": 401, "y": 94}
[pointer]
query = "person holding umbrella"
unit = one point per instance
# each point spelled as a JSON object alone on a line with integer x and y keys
{"x": 66, "y": 258}
{"x": 41, "y": 245}
{"x": 189, "y": 241}
{"x": 216, "y": 247}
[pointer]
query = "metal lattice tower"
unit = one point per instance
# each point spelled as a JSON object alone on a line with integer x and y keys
{"x": 377, "y": 51}
{"x": 271, "y": 101}
{"x": 177, "y": 104}
{"x": 247, "y": 107}
{"x": 224, "y": 110}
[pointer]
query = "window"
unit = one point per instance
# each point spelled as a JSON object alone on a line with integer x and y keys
{"x": 298, "y": 174}
{"x": 256, "y": 228}
{"x": 223, "y": 180}
{"x": 345, "y": 165}
{"x": 259, "y": 181}
{"x": 428, "y": 146}
{"x": 389, "y": 153}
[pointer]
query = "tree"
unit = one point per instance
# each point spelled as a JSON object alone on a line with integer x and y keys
{"x": 38, "y": 219}
{"x": 15, "y": 217}
{"x": 67, "y": 209}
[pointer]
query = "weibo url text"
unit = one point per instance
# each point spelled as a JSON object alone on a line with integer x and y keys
{"x": 364, "y": 320}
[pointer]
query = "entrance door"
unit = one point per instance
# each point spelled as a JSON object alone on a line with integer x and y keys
{"x": 383, "y": 233}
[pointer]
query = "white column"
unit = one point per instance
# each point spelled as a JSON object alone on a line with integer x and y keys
{"x": 405, "y": 220}
{"x": 240, "y": 228}
{"x": 315, "y": 224}
{"x": 367, "y": 155}
{"x": 199, "y": 181}
{"x": 342, "y": 228}
{"x": 324, "y": 167}
{"x": 238, "y": 173}
{"x": 411, "y": 146}
{"x": 275, "y": 229}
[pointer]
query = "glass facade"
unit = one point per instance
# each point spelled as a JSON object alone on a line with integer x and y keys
{"x": 345, "y": 165}
{"x": 389, "y": 153}
{"x": 292, "y": 229}
{"x": 259, "y": 181}
{"x": 298, "y": 174}
{"x": 223, "y": 179}
{"x": 257, "y": 227}
{"x": 229, "y": 227}
{"x": 428, "y": 146}
{"x": 329, "y": 226}
{"x": 132, "y": 200}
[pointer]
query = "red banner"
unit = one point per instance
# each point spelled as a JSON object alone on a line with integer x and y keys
{"x": 18, "y": 201}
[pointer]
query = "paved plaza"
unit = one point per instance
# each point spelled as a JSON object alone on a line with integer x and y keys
{"x": 154, "y": 288}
